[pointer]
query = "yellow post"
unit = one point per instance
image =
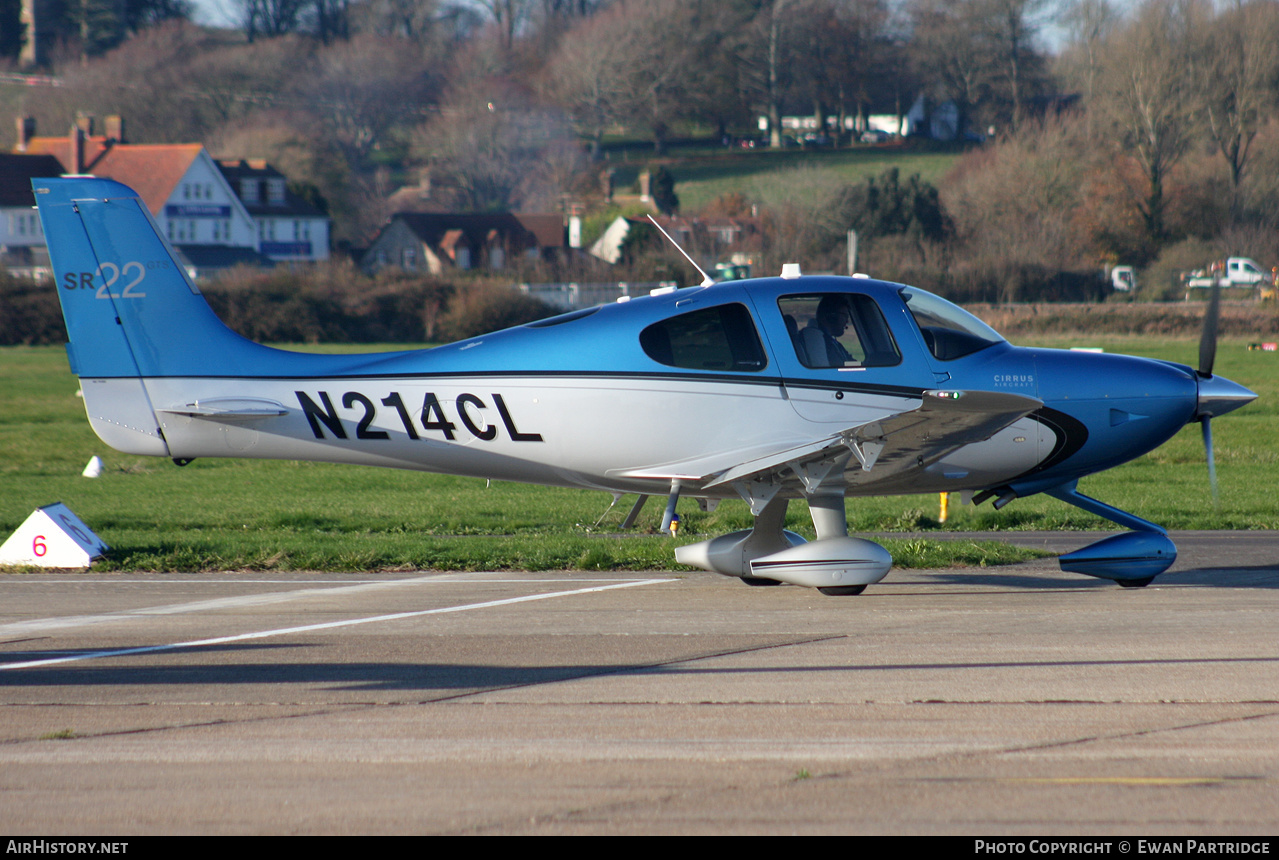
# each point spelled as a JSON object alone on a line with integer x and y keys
{"x": 945, "y": 507}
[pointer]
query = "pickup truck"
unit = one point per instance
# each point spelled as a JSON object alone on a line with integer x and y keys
{"x": 1234, "y": 272}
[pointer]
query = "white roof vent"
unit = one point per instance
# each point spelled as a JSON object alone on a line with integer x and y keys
{"x": 860, "y": 275}
{"x": 790, "y": 271}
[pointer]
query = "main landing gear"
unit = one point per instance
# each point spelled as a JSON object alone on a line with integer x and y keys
{"x": 767, "y": 554}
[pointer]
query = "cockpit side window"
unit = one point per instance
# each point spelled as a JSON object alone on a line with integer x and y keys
{"x": 718, "y": 338}
{"x": 949, "y": 331}
{"x": 838, "y": 330}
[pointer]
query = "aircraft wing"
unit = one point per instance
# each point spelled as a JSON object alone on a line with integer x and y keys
{"x": 885, "y": 448}
{"x": 944, "y": 422}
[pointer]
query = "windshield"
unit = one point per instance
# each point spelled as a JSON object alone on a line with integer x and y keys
{"x": 950, "y": 331}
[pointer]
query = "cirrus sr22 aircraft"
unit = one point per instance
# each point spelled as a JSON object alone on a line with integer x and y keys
{"x": 766, "y": 390}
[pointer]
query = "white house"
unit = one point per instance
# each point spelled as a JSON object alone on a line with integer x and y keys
{"x": 289, "y": 228}
{"x": 22, "y": 245}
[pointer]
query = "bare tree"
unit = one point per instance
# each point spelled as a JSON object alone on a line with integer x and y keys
{"x": 330, "y": 19}
{"x": 767, "y": 51}
{"x": 508, "y": 16}
{"x": 415, "y": 20}
{"x": 147, "y": 79}
{"x": 864, "y": 58}
{"x": 270, "y": 18}
{"x": 365, "y": 87}
{"x": 1145, "y": 95}
{"x": 1089, "y": 23}
{"x": 1239, "y": 83}
{"x": 1021, "y": 200}
{"x": 491, "y": 149}
{"x": 980, "y": 54}
{"x": 586, "y": 79}
{"x": 779, "y": 46}
{"x": 650, "y": 63}
{"x": 1011, "y": 27}
{"x": 235, "y": 81}
{"x": 949, "y": 55}
{"x": 554, "y": 18}
{"x": 674, "y": 53}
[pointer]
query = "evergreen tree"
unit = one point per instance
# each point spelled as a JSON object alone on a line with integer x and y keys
{"x": 99, "y": 25}
{"x": 11, "y": 29}
{"x": 886, "y": 206}
{"x": 661, "y": 187}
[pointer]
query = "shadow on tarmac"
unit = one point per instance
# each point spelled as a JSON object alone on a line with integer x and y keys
{"x": 451, "y": 679}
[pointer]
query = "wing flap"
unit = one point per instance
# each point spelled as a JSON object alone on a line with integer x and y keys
{"x": 943, "y": 422}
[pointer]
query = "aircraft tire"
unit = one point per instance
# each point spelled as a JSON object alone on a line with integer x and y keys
{"x": 842, "y": 590}
{"x": 759, "y": 580}
{"x": 1136, "y": 583}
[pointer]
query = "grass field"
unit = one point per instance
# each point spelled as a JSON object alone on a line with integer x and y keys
{"x": 248, "y": 514}
{"x": 699, "y": 179}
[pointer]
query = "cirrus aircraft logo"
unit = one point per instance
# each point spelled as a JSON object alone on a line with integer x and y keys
{"x": 1014, "y": 380}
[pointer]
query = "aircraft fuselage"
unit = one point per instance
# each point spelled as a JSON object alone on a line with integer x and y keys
{"x": 631, "y": 424}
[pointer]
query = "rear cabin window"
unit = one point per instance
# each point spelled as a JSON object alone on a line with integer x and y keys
{"x": 838, "y": 330}
{"x": 719, "y": 338}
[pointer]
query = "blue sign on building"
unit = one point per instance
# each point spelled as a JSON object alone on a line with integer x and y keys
{"x": 197, "y": 210}
{"x": 286, "y": 249}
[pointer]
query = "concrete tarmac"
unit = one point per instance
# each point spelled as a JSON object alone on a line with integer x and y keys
{"x": 1010, "y": 701}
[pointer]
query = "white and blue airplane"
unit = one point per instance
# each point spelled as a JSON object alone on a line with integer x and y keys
{"x": 766, "y": 390}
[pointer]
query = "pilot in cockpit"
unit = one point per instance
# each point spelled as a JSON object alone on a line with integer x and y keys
{"x": 820, "y": 336}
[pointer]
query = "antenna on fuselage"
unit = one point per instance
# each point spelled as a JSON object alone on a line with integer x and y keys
{"x": 706, "y": 279}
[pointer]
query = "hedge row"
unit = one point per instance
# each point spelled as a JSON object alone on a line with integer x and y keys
{"x": 332, "y": 304}
{"x": 337, "y": 304}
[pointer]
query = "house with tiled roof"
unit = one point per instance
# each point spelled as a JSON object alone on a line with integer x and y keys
{"x": 78, "y": 149}
{"x": 22, "y": 246}
{"x": 185, "y": 193}
{"x": 434, "y": 242}
{"x": 179, "y": 183}
{"x": 208, "y": 214}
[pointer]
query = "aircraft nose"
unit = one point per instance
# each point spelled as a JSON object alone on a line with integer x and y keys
{"x": 1218, "y": 395}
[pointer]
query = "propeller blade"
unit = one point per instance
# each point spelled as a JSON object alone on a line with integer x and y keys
{"x": 1206, "y": 424}
{"x": 1208, "y": 340}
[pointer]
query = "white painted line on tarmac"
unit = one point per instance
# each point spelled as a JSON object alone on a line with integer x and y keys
{"x": 44, "y": 625}
{"x": 439, "y": 577}
{"x": 329, "y": 625}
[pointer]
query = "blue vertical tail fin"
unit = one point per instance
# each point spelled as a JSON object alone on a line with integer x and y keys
{"x": 130, "y": 309}
{"x": 138, "y": 326}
